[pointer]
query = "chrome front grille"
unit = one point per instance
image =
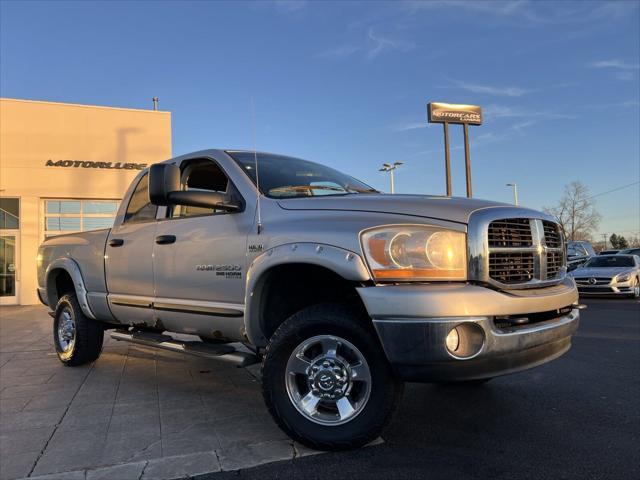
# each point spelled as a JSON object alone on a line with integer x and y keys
{"x": 517, "y": 267}
{"x": 555, "y": 262}
{"x": 511, "y": 232}
{"x": 511, "y": 248}
{"x": 552, "y": 234}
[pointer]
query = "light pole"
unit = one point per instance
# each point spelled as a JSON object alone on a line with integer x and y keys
{"x": 386, "y": 167}
{"x": 515, "y": 191}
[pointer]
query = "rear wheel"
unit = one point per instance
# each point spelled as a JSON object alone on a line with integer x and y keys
{"x": 77, "y": 338}
{"x": 326, "y": 380}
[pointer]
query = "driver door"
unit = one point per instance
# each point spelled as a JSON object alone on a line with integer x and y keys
{"x": 200, "y": 259}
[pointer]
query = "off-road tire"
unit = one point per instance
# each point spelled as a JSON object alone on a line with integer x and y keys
{"x": 89, "y": 334}
{"x": 354, "y": 326}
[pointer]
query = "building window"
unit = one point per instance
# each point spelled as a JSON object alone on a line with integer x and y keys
{"x": 10, "y": 213}
{"x": 66, "y": 216}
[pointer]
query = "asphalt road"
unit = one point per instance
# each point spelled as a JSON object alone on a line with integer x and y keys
{"x": 577, "y": 417}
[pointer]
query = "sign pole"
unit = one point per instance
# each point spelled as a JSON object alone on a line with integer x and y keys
{"x": 467, "y": 159}
{"x": 447, "y": 159}
{"x": 466, "y": 115}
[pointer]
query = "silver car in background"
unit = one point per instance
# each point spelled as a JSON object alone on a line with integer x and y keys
{"x": 578, "y": 252}
{"x": 609, "y": 275}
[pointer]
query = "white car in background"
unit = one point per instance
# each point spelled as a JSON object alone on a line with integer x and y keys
{"x": 609, "y": 275}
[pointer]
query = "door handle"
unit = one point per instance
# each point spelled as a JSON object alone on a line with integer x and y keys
{"x": 116, "y": 242}
{"x": 165, "y": 239}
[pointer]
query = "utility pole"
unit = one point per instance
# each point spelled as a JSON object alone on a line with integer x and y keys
{"x": 604, "y": 240}
{"x": 386, "y": 167}
{"x": 515, "y": 192}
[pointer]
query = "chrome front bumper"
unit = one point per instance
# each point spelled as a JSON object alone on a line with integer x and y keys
{"x": 413, "y": 321}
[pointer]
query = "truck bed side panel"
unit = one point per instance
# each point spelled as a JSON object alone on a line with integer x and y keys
{"x": 86, "y": 249}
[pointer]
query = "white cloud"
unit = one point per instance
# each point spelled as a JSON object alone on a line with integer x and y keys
{"x": 535, "y": 12}
{"x": 493, "y": 90}
{"x": 494, "y": 111}
{"x": 378, "y": 44}
{"x": 615, "y": 64}
{"x": 373, "y": 46}
{"x": 493, "y": 7}
{"x": 608, "y": 106}
{"x": 343, "y": 51}
{"x": 411, "y": 126}
{"x": 289, "y": 6}
{"x": 625, "y": 76}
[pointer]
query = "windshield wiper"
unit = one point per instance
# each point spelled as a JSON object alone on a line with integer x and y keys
{"x": 353, "y": 189}
{"x": 305, "y": 188}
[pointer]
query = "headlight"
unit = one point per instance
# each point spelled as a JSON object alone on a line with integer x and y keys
{"x": 623, "y": 277}
{"x": 415, "y": 252}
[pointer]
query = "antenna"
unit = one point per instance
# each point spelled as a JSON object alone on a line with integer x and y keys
{"x": 255, "y": 160}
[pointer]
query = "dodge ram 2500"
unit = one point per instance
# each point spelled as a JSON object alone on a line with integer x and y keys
{"x": 341, "y": 291}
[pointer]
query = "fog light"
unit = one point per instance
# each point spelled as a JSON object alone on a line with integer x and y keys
{"x": 465, "y": 340}
{"x": 453, "y": 340}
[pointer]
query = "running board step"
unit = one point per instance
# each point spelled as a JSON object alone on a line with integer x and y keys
{"x": 223, "y": 352}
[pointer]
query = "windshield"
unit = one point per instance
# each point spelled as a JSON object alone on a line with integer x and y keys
{"x": 612, "y": 261}
{"x": 288, "y": 177}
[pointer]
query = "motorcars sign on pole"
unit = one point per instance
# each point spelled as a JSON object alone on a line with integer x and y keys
{"x": 465, "y": 115}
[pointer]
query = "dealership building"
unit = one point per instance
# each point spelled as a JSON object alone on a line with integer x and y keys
{"x": 64, "y": 168}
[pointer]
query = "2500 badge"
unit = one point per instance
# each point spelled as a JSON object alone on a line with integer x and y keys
{"x": 227, "y": 271}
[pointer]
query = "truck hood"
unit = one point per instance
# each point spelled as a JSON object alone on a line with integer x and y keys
{"x": 453, "y": 209}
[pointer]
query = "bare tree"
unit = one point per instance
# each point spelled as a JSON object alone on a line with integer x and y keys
{"x": 576, "y": 212}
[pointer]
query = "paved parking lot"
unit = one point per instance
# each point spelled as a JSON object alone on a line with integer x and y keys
{"x": 575, "y": 418}
{"x": 142, "y": 413}
{"x": 135, "y": 413}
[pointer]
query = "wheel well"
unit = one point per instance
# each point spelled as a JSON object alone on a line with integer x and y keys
{"x": 288, "y": 289}
{"x": 59, "y": 284}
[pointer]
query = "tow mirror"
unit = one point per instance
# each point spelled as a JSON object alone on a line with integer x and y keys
{"x": 164, "y": 179}
{"x": 165, "y": 190}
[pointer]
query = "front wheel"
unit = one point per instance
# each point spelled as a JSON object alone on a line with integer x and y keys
{"x": 77, "y": 338}
{"x": 635, "y": 289}
{"x": 326, "y": 380}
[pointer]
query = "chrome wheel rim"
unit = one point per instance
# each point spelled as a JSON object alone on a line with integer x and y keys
{"x": 66, "y": 331}
{"x": 636, "y": 289}
{"x": 328, "y": 380}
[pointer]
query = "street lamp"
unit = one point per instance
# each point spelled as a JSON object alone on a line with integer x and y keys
{"x": 386, "y": 167}
{"x": 515, "y": 191}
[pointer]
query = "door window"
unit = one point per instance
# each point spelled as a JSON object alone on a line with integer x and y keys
{"x": 203, "y": 175}
{"x": 140, "y": 208}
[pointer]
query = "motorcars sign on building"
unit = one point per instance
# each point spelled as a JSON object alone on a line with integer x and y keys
{"x": 454, "y": 113}
{"x": 63, "y": 169}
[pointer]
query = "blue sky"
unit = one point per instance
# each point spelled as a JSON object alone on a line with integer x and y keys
{"x": 347, "y": 84}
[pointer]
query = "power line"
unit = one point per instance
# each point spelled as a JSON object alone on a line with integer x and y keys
{"x": 614, "y": 189}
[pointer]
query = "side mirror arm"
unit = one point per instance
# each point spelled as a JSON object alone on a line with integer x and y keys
{"x": 195, "y": 198}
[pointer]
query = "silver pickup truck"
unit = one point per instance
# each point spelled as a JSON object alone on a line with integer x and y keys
{"x": 341, "y": 291}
